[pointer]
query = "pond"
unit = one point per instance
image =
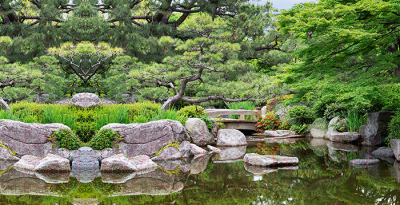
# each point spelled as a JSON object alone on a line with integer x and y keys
{"x": 323, "y": 176}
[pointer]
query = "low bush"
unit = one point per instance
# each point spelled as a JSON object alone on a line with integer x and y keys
{"x": 300, "y": 117}
{"x": 269, "y": 122}
{"x": 66, "y": 138}
{"x": 192, "y": 111}
{"x": 105, "y": 138}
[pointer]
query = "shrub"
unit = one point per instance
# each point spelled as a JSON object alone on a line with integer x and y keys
{"x": 394, "y": 128}
{"x": 300, "y": 114}
{"x": 285, "y": 125}
{"x": 192, "y": 111}
{"x": 269, "y": 122}
{"x": 66, "y": 138}
{"x": 209, "y": 123}
{"x": 105, "y": 138}
{"x": 354, "y": 121}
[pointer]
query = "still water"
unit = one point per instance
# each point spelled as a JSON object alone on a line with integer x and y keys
{"x": 323, "y": 176}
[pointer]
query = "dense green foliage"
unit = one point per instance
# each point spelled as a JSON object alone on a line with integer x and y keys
{"x": 66, "y": 138}
{"x": 105, "y": 138}
{"x": 192, "y": 111}
{"x": 393, "y": 128}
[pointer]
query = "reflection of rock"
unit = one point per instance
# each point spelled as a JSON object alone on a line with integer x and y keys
{"x": 281, "y": 141}
{"x": 5, "y": 164}
{"x": 199, "y": 163}
{"x": 53, "y": 178}
{"x": 364, "y": 161}
{"x": 199, "y": 132}
{"x": 231, "y": 137}
{"x": 265, "y": 170}
{"x": 363, "y": 166}
{"x": 85, "y": 201}
{"x": 85, "y": 175}
{"x": 117, "y": 178}
{"x": 269, "y": 160}
{"x": 146, "y": 138}
{"x": 318, "y": 146}
{"x": 395, "y": 173}
{"x": 51, "y": 163}
{"x": 395, "y": 143}
{"x": 230, "y": 153}
{"x": 377, "y": 124}
{"x": 6, "y": 155}
{"x": 156, "y": 182}
{"x": 342, "y": 147}
{"x": 185, "y": 165}
{"x": 143, "y": 163}
{"x": 117, "y": 163}
{"x": 169, "y": 164}
{"x": 14, "y": 182}
{"x": 168, "y": 153}
{"x": 28, "y": 138}
{"x": 196, "y": 150}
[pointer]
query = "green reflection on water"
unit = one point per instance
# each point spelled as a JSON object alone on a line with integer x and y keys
{"x": 324, "y": 177}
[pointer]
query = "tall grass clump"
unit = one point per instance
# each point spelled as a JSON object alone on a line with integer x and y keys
{"x": 171, "y": 114}
{"x": 53, "y": 113}
{"x": 111, "y": 114}
{"x": 247, "y": 105}
{"x": 354, "y": 121}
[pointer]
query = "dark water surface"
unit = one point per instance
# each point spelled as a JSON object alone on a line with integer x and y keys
{"x": 322, "y": 177}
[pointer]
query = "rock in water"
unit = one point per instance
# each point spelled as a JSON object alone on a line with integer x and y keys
{"x": 143, "y": 163}
{"x": 383, "y": 152}
{"x": 199, "y": 132}
{"x": 269, "y": 160}
{"x": 85, "y": 100}
{"x": 377, "y": 125}
{"x": 364, "y": 161}
{"x": 335, "y": 136}
{"x": 117, "y": 163}
{"x": 85, "y": 158}
{"x": 231, "y": 137}
{"x": 395, "y": 143}
{"x": 51, "y": 163}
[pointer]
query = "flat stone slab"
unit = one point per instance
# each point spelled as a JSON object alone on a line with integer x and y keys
{"x": 85, "y": 100}
{"x": 269, "y": 160}
{"x": 279, "y": 133}
{"x": 364, "y": 161}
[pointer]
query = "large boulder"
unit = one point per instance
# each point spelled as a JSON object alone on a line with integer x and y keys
{"x": 85, "y": 100}
{"x": 28, "y": 138}
{"x": 318, "y": 128}
{"x": 383, "y": 152}
{"x": 282, "y": 113}
{"x": 231, "y": 137}
{"x": 51, "y": 163}
{"x": 395, "y": 143}
{"x": 376, "y": 129}
{"x": 269, "y": 160}
{"x": 168, "y": 153}
{"x": 336, "y": 136}
{"x": 3, "y": 105}
{"x": 199, "y": 132}
{"x": 146, "y": 138}
{"x": 143, "y": 163}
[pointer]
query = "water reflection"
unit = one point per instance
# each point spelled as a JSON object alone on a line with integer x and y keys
{"x": 323, "y": 176}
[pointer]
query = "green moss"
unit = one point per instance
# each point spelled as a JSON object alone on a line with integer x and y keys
{"x": 170, "y": 172}
{"x": 11, "y": 152}
{"x": 170, "y": 144}
{"x": 4, "y": 171}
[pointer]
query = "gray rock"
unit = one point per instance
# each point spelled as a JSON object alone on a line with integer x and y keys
{"x": 85, "y": 159}
{"x": 231, "y": 137}
{"x": 335, "y": 136}
{"x": 263, "y": 111}
{"x": 42, "y": 99}
{"x": 168, "y": 154}
{"x": 199, "y": 132}
{"x": 51, "y": 163}
{"x": 85, "y": 100}
{"x": 28, "y": 138}
{"x": 361, "y": 130}
{"x": 169, "y": 164}
{"x": 269, "y": 160}
{"x": 282, "y": 113}
{"x": 213, "y": 149}
{"x": 64, "y": 153}
{"x": 214, "y": 130}
{"x": 318, "y": 129}
{"x": 146, "y": 138}
{"x": 185, "y": 149}
{"x": 53, "y": 178}
{"x": 384, "y": 152}
{"x": 105, "y": 153}
{"x": 196, "y": 150}
{"x": 364, "y": 161}
{"x": 85, "y": 175}
{"x": 3, "y": 104}
{"x": 335, "y": 146}
{"x": 395, "y": 143}
{"x": 117, "y": 163}
{"x": 6, "y": 155}
{"x": 279, "y": 133}
{"x": 143, "y": 163}
{"x": 377, "y": 124}
{"x": 6, "y": 164}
